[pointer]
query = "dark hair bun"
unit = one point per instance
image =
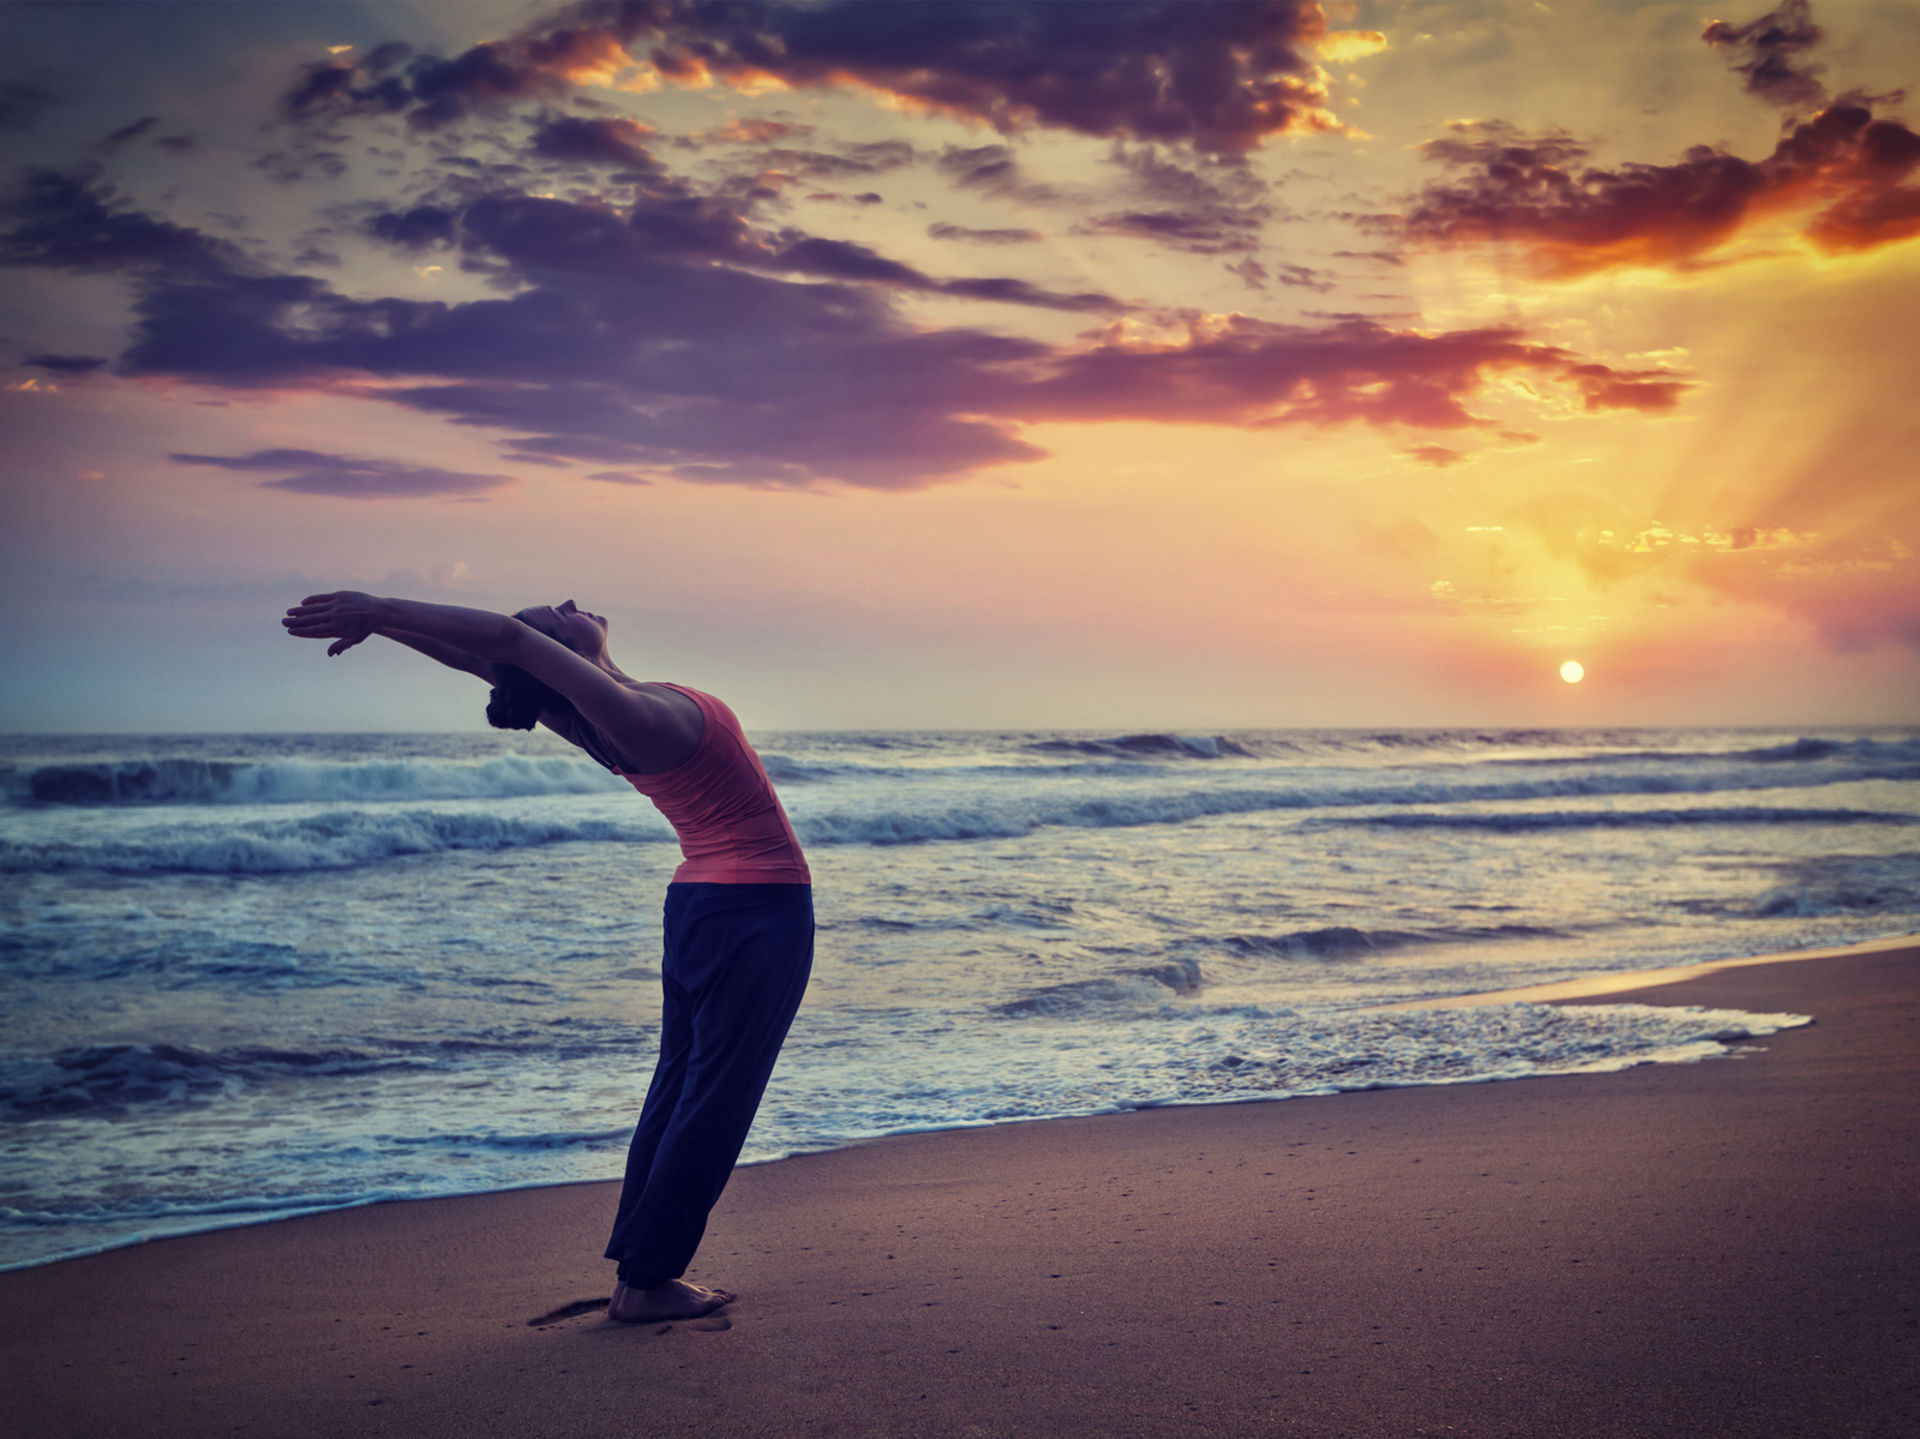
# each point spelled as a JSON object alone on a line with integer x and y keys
{"x": 507, "y": 709}
{"x": 519, "y": 700}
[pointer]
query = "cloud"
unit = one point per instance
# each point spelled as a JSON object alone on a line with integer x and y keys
{"x": 872, "y": 158}
{"x": 1857, "y": 591}
{"x": 1202, "y": 233}
{"x": 1240, "y": 371}
{"x": 983, "y": 237}
{"x": 1843, "y": 170}
{"x": 673, "y": 221}
{"x": 1766, "y": 51}
{"x": 1252, "y": 273}
{"x": 310, "y": 472}
{"x": 1220, "y": 76}
{"x": 1212, "y": 210}
{"x": 417, "y": 229}
{"x": 992, "y": 170}
{"x": 1439, "y": 456}
{"x": 603, "y": 141}
{"x": 61, "y": 221}
{"x": 1604, "y": 388}
{"x": 67, "y": 364}
{"x": 1305, "y": 277}
{"x": 131, "y": 132}
{"x": 675, "y": 338}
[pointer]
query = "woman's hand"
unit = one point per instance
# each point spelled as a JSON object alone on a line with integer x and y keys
{"x": 346, "y": 617}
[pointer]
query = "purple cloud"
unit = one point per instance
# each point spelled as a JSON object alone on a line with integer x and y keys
{"x": 67, "y": 364}
{"x": 601, "y": 141}
{"x": 1219, "y": 75}
{"x": 675, "y": 338}
{"x": 310, "y": 472}
{"x": 1767, "y": 52}
{"x": 983, "y": 237}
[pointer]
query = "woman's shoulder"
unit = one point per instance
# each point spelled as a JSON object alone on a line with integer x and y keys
{"x": 666, "y": 730}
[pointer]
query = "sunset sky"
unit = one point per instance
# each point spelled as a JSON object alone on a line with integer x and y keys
{"x": 1118, "y": 365}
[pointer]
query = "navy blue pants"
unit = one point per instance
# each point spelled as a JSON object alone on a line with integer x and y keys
{"x": 736, "y": 964}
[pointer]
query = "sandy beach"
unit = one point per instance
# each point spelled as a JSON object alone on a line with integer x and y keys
{"x": 1717, "y": 1249}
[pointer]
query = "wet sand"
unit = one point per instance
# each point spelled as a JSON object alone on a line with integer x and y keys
{"x": 1727, "y": 1248}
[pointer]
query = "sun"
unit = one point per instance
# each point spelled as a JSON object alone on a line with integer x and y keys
{"x": 1573, "y": 672}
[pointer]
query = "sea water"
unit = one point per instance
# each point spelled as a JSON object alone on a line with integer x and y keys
{"x": 248, "y": 976}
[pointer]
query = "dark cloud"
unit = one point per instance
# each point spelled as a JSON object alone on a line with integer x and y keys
{"x": 1767, "y": 51}
{"x": 992, "y": 170}
{"x": 873, "y": 158}
{"x": 1252, "y": 273}
{"x": 576, "y": 141}
{"x": 61, "y": 221}
{"x": 1198, "y": 233}
{"x": 1849, "y": 169}
{"x": 131, "y": 132}
{"x": 1219, "y": 75}
{"x": 1439, "y": 456}
{"x": 420, "y": 228}
{"x": 1212, "y": 209}
{"x": 541, "y": 63}
{"x": 328, "y": 90}
{"x": 289, "y": 167}
{"x": 834, "y": 197}
{"x": 1008, "y": 291}
{"x": 67, "y": 364}
{"x": 1305, "y": 277}
{"x": 983, "y": 237}
{"x": 674, "y": 222}
{"x": 675, "y": 339}
{"x": 309, "y": 472}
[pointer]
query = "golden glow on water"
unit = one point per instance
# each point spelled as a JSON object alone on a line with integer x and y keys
{"x": 1573, "y": 672}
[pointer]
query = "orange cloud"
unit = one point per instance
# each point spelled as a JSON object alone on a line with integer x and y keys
{"x": 1844, "y": 170}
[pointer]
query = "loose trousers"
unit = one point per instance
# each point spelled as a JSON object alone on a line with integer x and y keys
{"x": 737, "y": 958}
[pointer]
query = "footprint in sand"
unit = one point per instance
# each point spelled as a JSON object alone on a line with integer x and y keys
{"x": 569, "y": 1311}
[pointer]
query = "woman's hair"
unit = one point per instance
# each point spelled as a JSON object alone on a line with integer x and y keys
{"x": 518, "y": 699}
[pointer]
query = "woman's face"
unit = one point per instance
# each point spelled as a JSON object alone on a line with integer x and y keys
{"x": 580, "y": 631}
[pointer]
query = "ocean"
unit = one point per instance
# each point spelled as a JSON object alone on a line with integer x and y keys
{"x": 249, "y": 976}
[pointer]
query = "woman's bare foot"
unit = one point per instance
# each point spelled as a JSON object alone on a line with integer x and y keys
{"x": 676, "y": 1299}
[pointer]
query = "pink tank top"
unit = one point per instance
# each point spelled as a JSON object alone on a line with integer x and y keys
{"x": 722, "y": 805}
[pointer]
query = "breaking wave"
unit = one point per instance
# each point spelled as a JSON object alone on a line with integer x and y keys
{"x": 339, "y": 840}
{"x": 204, "y": 781}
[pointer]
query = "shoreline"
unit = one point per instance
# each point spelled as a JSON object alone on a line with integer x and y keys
{"x": 1672, "y": 1250}
{"x": 1617, "y": 981}
{"x": 1563, "y": 991}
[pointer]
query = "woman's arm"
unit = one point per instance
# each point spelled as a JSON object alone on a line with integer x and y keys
{"x": 447, "y": 655}
{"x": 630, "y": 717}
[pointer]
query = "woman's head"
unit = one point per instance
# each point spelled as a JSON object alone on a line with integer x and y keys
{"x": 566, "y": 623}
{"x": 520, "y": 701}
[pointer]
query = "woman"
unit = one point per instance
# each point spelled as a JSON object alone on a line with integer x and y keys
{"x": 739, "y": 912}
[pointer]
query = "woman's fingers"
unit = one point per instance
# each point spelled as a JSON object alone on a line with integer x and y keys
{"x": 344, "y": 615}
